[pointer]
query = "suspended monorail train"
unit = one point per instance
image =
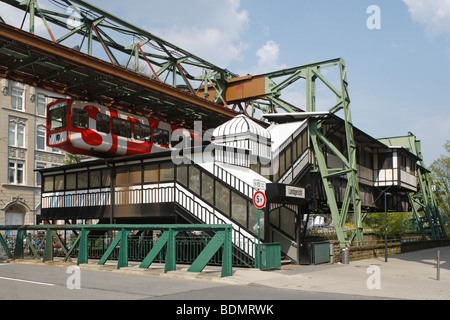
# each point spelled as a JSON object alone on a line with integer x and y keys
{"x": 86, "y": 128}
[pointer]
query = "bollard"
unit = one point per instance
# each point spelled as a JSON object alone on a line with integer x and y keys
{"x": 438, "y": 272}
{"x": 345, "y": 256}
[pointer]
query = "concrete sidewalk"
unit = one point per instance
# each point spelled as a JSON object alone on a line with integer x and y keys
{"x": 405, "y": 276}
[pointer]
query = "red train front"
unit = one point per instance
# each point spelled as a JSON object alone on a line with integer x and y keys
{"x": 86, "y": 128}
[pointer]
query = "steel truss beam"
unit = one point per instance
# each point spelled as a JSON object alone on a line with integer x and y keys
{"x": 311, "y": 73}
{"x": 83, "y": 23}
{"x": 320, "y": 141}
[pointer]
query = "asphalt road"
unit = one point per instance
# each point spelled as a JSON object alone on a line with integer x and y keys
{"x": 31, "y": 282}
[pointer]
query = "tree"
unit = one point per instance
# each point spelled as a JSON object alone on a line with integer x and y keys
{"x": 440, "y": 169}
{"x": 398, "y": 223}
{"x": 71, "y": 159}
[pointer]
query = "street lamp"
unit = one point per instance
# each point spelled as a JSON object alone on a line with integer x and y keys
{"x": 385, "y": 226}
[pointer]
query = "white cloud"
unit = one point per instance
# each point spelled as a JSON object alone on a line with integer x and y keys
{"x": 434, "y": 14}
{"x": 211, "y": 30}
{"x": 268, "y": 57}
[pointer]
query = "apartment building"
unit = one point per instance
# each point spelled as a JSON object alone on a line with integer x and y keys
{"x": 22, "y": 150}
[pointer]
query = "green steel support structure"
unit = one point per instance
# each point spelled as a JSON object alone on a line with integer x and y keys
{"x": 311, "y": 73}
{"x": 221, "y": 239}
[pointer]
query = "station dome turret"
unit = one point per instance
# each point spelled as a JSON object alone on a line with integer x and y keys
{"x": 242, "y": 132}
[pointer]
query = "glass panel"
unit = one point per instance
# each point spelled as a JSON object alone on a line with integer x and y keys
{"x": 253, "y": 218}
{"x": 41, "y": 104}
{"x": 121, "y": 127}
{"x": 58, "y": 118}
{"x": 141, "y": 132}
{"x": 40, "y": 140}
{"x": 222, "y": 198}
{"x": 122, "y": 177}
{"x": 71, "y": 181}
{"x": 274, "y": 217}
{"x": 161, "y": 137}
{"x": 20, "y": 174}
{"x": 287, "y": 221}
{"x": 135, "y": 175}
{"x": 80, "y": 118}
{"x": 239, "y": 208}
{"x": 59, "y": 182}
{"x": 12, "y": 134}
{"x": 82, "y": 178}
{"x": 106, "y": 178}
{"x": 182, "y": 176}
{"x": 282, "y": 163}
{"x": 12, "y": 171}
{"x": 95, "y": 179}
{"x": 385, "y": 161}
{"x": 194, "y": 179}
{"x": 288, "y": 157}
{"x": 20, "y": 135}
{"x": 167, "y": 171}
{"x": 48, "y": 183}
{"x": 151, "y": 173}
{"x": 304, "y": 140}
{"x": 17, "y": 98}
{"x": 103, "y": 122}
{"x": 207, "y": 188}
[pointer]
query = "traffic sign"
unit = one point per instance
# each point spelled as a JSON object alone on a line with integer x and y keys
{"x": 259, "y": 199}
{"x": 259, "y": 184}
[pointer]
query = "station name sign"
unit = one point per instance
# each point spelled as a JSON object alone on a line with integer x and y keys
{"x": 295, "y": 192}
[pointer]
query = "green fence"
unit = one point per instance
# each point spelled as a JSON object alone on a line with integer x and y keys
{"x": 127, "y": 242}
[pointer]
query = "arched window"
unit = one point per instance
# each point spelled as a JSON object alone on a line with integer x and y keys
{"x": 15, "y": 216}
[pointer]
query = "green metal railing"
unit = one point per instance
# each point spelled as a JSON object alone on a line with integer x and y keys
{"x": 123, "y": 247}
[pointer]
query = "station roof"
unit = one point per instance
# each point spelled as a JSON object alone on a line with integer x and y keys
{"x": 328, "y": 118}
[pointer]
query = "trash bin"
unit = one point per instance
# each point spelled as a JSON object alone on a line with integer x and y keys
{"x": 314, "y": 252}
{"x": 345, "y": 256}
{"x": 270, "y": 256}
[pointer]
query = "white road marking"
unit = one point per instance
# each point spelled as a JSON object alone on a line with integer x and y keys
{"x": 27, "y": 281}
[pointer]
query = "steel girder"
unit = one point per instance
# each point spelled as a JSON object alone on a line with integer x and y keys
{"x": 83, "y": 25}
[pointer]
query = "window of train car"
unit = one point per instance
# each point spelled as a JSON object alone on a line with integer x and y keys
{"x": 80, "y": 118}
{"x": 142, "y": 132}
{"x": 57, "y": 117}
{"x": 121, "y": 127}
{"x": 103, "y": 122}
{"x": 161, "y": 137}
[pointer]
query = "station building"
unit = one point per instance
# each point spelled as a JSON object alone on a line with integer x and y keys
{"x": 215, "y": 183}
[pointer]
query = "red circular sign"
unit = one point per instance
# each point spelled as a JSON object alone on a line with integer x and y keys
{"x": 259, "y": 199}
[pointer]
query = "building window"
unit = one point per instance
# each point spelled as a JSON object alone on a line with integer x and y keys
{"x": 41, "y": 105}
{"x": 17, "y": 99}
{"x": 16, "y": 134}
{"x": 40, "y": 138}
{"x": 38, "y": 175}
{"x": 16, "y": 172}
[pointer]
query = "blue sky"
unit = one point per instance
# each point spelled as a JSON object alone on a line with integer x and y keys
{"x": 399, "y": 75}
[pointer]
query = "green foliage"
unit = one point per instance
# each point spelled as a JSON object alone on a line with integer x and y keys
{"x": 398, "y": 223}
{"x": 441, "y": 176}
{"x": 71, "y": 159}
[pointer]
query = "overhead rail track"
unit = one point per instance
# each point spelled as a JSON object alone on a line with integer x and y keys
{"x": 33, "y": 60}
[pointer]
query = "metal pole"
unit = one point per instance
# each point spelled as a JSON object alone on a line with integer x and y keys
{"x": 258, "y": 262}
{"x": 385, "y": 230}
{"x": 438, "y": 275}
